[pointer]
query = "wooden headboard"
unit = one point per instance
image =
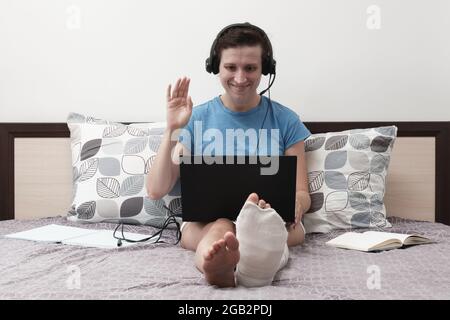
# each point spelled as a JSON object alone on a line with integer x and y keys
{"x": 36, "y": 173}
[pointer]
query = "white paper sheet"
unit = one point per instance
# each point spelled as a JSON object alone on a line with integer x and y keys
{"x": 77, "y": 236}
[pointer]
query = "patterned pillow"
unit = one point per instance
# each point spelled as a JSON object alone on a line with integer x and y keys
{"x": 110, "y": 162}
{"x": 347, "y": 178}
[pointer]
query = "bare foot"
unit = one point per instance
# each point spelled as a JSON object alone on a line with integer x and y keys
{"x": 220, "y": 260}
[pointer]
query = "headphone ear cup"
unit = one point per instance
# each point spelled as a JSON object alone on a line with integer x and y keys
{"x": 268, "y": 67}
{"x": 264, "y": 68}
{"x": 273, "y": 66}
{"x": 208, "y": 65}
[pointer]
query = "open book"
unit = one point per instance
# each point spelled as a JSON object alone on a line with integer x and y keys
{"x": 376, "y": 240}
{"x": 77, "y": 236}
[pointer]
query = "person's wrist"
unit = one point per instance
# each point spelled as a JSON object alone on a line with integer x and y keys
{"x": 172, "y": 134}
{"x": 170, "y": 130}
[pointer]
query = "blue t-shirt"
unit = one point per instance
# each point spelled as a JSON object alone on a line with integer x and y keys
{"x": 268, "y": 129}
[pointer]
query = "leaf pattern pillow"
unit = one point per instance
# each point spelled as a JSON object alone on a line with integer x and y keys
{"x": 110, "y": 162}
{"x": 347, "y": 178}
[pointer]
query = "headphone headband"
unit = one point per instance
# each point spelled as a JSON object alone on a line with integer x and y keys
{"x": 268, "y": 63}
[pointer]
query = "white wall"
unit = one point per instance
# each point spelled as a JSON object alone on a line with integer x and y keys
{"x": 113, "y": 59}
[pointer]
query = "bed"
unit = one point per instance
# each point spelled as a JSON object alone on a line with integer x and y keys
{"x": 32, "y": 195}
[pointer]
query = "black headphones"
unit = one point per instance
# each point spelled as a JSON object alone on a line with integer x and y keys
{"x": 268, "y": 63}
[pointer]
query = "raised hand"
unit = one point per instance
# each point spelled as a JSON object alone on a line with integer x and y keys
{"x": 179, "y": 104}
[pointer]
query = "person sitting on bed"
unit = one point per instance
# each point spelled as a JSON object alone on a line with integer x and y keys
{"x": 230, "y": 253}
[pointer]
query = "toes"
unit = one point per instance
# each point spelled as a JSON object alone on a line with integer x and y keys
{"x": 211, "y": 252}
{"x": 215, "y": 247}
{"x": 218, "y": 245}
{"x": 268, "y": 206}
{"x": 207, "y": 255}
{"x": 253, "y": 197}
{"x": 231, "y": 241}
{"x": 262, "y": 204}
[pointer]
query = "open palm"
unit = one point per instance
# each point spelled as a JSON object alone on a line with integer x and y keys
{"x": 179, "y": 104}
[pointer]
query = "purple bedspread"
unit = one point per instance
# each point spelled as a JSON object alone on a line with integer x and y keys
{"x": 37, "y": 270}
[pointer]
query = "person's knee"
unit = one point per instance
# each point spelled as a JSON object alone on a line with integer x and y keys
{"x": 185, "y": 242}
{"x": 190, "y": 235}
{"x": 223, "y": 224}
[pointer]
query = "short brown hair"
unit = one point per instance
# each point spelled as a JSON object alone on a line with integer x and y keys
{"x": 243, "y": 36}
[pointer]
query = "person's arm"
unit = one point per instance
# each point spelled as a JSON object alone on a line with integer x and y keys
{"x": 165, "y": 170}
{"x": 303, "y": 200}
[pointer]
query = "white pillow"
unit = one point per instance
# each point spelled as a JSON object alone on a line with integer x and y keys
{"x": 347, "y": 178}
{"x": 110, "y": 162}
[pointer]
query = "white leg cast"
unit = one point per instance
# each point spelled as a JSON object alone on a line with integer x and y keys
{"x": 262, "y": 239}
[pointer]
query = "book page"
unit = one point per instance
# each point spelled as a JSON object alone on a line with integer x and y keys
{"x": 380, "y": 236}
{"x": 417, "y": 239}
{"x": 406, "y": 239}
{"x": 376, "y": 240}
{"x": 356, "y": 241}
{"x": 51, "y": 233}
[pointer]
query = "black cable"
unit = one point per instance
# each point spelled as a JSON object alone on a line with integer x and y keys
{"x": 267, "y": 111}
{"x": 171, "y": 219}
{"x": 270, "y": 84}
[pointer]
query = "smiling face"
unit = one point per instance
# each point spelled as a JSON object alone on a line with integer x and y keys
{"x": 240, "y": 74}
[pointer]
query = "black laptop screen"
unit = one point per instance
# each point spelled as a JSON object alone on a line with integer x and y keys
{"x": 217, "y": 187}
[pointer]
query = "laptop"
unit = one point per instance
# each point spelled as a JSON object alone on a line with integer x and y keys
{"x": 217, "y": 187}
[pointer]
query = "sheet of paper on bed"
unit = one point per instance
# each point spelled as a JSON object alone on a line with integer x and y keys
{"x": 76, "y": 236}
